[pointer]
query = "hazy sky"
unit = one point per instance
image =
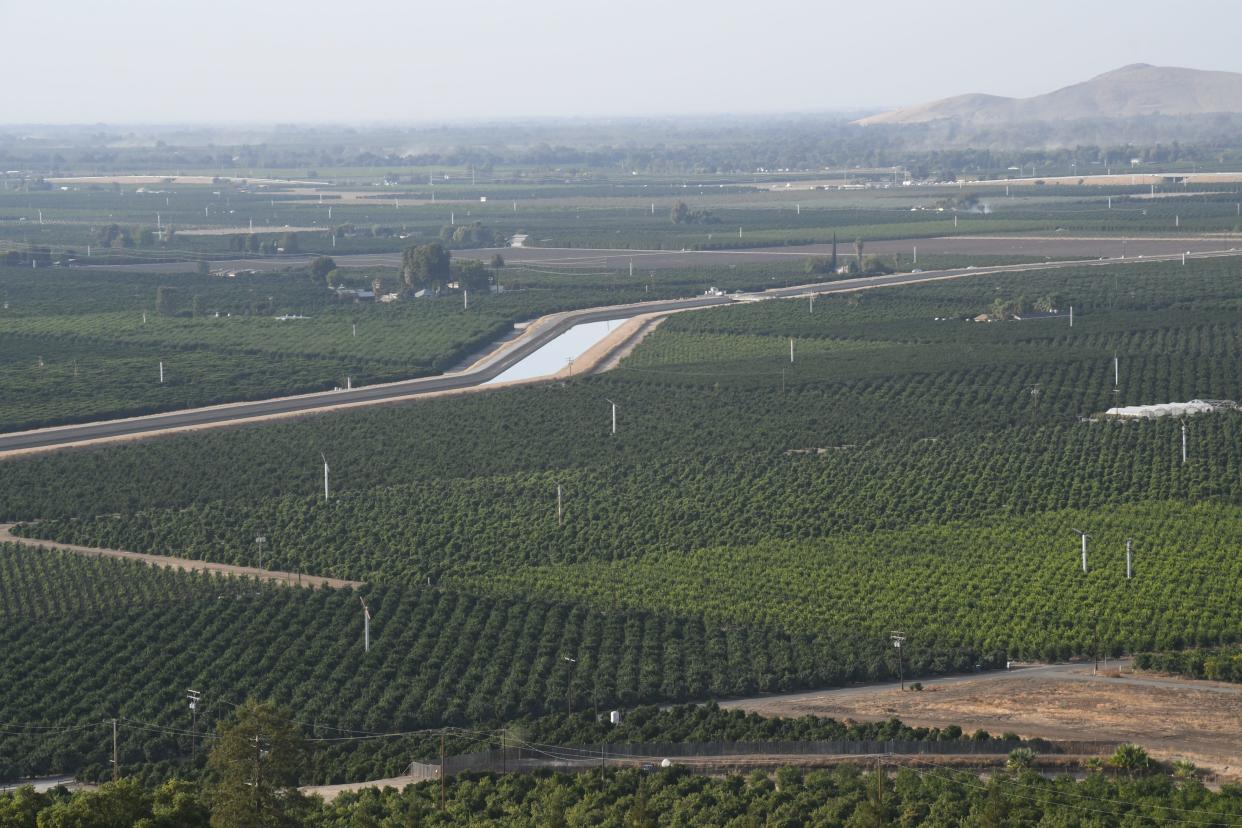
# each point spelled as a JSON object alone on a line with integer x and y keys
{"x": 83, "y": 61}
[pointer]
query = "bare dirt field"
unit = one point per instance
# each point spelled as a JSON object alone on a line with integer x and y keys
{"x": 1123, "y": 179}
{"x": 1174, "y": 719}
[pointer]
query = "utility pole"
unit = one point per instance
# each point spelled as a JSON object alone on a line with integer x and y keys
{"x": 791, "y": 350}
{"x": 614, "y": 416}
{"x": 569, "y": 687}
{"x": 1071, "y": 316}
{"x": 1129, "y": 559}
{"x": 441, "y": 771}
{"x": 1183, "y": 442}
{"x": 1084, "y": 537}
{"x": 559, "y": 511}
{"x": 257, "y": 755}
{"x": 259, "y": 541}
{"x": 116, "y": 764}
{"x": 193, "y": 696}
{"x": 366, "y": 626}
{"x": 161, "y": 372}
{"x": 897, "y": 638}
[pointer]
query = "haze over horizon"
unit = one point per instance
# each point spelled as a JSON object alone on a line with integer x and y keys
{"x": 234, "y": 62}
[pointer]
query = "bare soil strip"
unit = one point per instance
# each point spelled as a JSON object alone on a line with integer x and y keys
{"x": 288, "y": 578}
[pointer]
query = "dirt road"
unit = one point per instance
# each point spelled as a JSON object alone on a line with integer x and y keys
{"x": 187, "y": 564}
{"x": 1173, "y": 718}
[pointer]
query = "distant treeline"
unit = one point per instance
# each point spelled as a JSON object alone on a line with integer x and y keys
{"x": 715, "y": 146}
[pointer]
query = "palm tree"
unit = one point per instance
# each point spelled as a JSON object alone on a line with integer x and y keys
{"x": 1130, "y": 758}
{"x": 1020, "y": 759}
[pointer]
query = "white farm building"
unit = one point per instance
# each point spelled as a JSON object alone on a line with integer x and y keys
{"x": 1176, "y": 409}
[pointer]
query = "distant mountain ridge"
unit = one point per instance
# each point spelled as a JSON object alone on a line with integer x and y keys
{"x": 1129, "y": 92}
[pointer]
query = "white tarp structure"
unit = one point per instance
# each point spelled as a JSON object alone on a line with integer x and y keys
{"x": 1176, "y": 409}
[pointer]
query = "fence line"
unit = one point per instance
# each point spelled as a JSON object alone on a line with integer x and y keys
{"x": 535, "y": 757}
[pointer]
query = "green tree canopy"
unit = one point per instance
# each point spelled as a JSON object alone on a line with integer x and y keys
{"x": 425, "y": 265}
{"x": 321, "y": 266}
{"x": 257, "y": 758}
{"x": 474, "y": 275}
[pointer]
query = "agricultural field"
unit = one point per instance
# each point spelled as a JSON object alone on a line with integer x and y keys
{"x": 846, "y": 795}
{"x": 438, "y": 657}
{"x": 78, "y": 345}
{"x": 755, "y": 524}
{"x": 120, "y": 220}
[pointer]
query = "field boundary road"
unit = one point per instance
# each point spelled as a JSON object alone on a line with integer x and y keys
{"x": 489, "y": 367}
{"x": 1035, "y": 246}
{"x": 296, "y": 579}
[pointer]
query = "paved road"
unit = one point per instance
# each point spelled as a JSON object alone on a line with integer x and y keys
{"x": 1057, "y": 247}
{"x": 510, "y": 353}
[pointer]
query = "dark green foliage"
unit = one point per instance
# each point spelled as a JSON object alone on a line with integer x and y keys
{"x": 131, "y": 639}
{"x": 425, "y": 266}
{"x": 1216, "y": 665}
{"x": 843, "y": 796}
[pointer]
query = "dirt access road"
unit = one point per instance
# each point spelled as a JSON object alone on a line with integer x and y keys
{"x": 1036, "y": 247}
{"x": 1173, "y": 718}
{"x": 187, "y": 564}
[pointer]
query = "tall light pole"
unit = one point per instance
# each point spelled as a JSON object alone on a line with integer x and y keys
{"x": 1084, "y": 537}
{"x": 366, "y": 626}
{"x": 898, "y": 638}
{"x": 325, "y": 477}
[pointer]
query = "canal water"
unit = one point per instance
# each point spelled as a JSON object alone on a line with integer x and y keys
{"x": 556, "y": 354}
